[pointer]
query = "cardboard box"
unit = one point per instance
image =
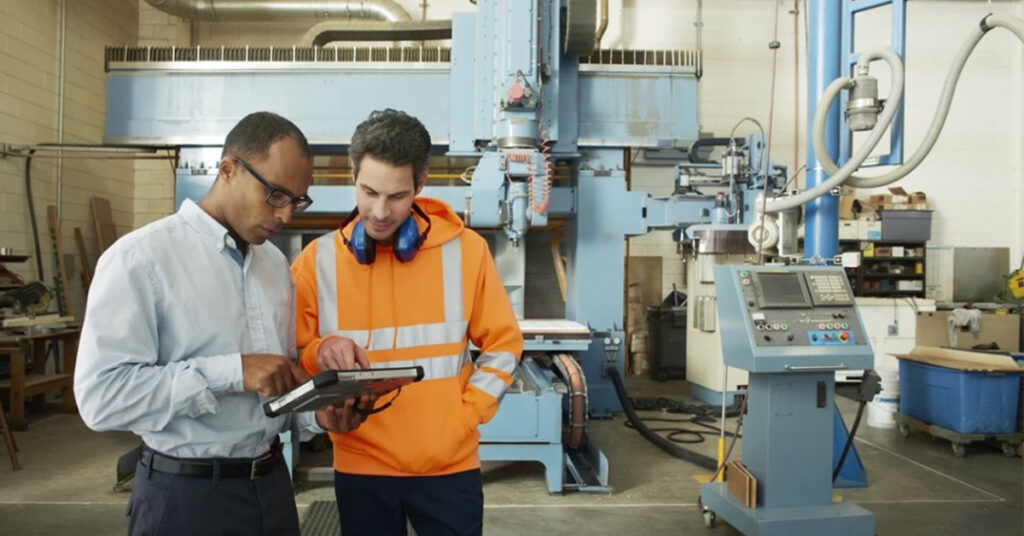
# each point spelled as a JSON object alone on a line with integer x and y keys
{"x": 900, "y": 199}
{"x": 870, "y": 230}
{"x": 883, "y": 251}
{"x": 932, "y": 329}
{"x": 910, "y": 285}
{"x": 962, "y": 359}
{"x": 849, "y": 229}
{"x": 846, "y": 203}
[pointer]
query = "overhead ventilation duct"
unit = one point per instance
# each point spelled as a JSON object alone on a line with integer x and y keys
{"x": 282, "y": 10}
{"x": 334, "y": 30}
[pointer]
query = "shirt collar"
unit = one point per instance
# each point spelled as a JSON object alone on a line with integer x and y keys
{"x": 206, "y": 225}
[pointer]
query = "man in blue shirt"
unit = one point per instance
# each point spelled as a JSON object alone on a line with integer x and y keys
{"x": 189, "y": 324}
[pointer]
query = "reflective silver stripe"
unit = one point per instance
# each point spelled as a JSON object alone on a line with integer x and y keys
{"x": 326, "y": 285}
{"x": 502, "y": 361}
{"x": 451, "y": 268}
{"x": 408, "y": 336}
{"x": 488, "y": 382}
{"x": 434, "y": 368}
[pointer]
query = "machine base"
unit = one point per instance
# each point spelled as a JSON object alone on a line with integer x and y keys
{"x": 842, "y": 519}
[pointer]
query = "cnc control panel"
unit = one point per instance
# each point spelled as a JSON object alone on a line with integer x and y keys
{"x": 789, "y": 318}
{"x": 789, "y": 308}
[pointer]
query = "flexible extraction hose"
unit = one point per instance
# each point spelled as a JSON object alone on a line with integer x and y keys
{"x": 659, "y": 441}
{"x": 845, "y": 174}
{"x": 820, "y": 114}
{"x": 1010, "y": 22}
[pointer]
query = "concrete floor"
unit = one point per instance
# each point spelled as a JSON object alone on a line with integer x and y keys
{"x": 917, "y": 486}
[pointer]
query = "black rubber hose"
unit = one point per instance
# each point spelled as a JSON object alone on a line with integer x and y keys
{"x": 32, "y": 215}
{"x": 659, "y": 441}
{"x": 849, "y": 440}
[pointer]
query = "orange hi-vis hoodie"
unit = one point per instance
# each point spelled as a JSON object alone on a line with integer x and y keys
{"x": 422, "y": 312}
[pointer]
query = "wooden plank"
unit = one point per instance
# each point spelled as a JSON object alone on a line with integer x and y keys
{"x": 61, "y": 278}
{"x": 40, "y": 383}
{"x": 23, "y": 321}
{"x": 106, "y": 232}
{"x": 86, "y": 267}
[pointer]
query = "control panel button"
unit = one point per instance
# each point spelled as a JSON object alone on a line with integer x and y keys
{"x": 844, "y": 336}
{"x": 785, "y": 327}
{"x": 821, "y": 326}
{"x": 844, "y": 325}
{"x": 746, "y": 281}
{"x": 744, "y": 274}
{"x": 776, "y": 327}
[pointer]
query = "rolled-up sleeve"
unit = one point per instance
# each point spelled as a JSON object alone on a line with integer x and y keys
{"x": 119, "y": 382}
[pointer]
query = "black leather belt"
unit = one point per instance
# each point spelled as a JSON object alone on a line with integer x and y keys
{"x": 251, "y": 468}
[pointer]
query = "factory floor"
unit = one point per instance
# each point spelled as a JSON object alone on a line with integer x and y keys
{"x": 916, "y": 486}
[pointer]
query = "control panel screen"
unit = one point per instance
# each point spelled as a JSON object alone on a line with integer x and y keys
{"x": 782, "y": 290}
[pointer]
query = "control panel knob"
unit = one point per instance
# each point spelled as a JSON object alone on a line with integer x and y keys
{"x": 768, "y": 338}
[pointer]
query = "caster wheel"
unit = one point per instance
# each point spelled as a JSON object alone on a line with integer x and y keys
{"x": 959, "y": 449}
{"x": 1009, "y": 450}
{"x": 710, "y": 519}
{"x": 904, "y": 430}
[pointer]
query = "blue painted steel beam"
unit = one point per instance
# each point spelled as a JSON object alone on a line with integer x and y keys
{"x": 899, "y": 45}
{"x": 821, "y": 238}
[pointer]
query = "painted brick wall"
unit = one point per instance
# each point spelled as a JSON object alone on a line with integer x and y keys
{"x": 29, "y": 59}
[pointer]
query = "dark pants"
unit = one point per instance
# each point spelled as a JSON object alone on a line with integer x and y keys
{"x": 434, "y": 505}
{"x": 194, "y": 506}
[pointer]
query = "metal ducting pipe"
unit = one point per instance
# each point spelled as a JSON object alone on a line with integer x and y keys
{"x": 330, "y": 31}
{"x": 281, "y": 10}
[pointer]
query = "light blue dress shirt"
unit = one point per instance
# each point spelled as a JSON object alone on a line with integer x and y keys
{"x": 172, "y": 308}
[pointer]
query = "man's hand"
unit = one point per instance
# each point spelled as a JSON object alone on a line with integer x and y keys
{"x": 269, "y": 374}
{"x": 340, "y": 353}
{"x": 346, "y": 417}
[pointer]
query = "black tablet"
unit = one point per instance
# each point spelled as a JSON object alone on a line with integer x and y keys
{"x": 333, "y": 386}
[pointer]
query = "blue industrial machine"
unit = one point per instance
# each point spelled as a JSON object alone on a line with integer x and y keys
{"x": 520, "y": 88}
{"x": 792, "y": 328}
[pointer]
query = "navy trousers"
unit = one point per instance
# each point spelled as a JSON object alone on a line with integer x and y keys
{"x": 449, "y": 505}
{"x": 193, "y": 506}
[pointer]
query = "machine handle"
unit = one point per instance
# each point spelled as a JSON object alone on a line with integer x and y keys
{"x": 815, "y": 368}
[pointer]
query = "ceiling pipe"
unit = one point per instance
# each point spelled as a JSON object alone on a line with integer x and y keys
{"x": 602, "y": 26}
{"x": 281, "y": 10}
{"x": 323, "y": 33}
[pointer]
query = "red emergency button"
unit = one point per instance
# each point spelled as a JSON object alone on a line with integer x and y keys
{"x": 844, "y": 336}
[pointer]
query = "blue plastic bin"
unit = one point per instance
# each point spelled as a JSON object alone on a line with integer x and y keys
{"x": 965, "y": 402}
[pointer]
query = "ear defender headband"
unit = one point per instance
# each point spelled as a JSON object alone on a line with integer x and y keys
{"x": 404, "y": 243}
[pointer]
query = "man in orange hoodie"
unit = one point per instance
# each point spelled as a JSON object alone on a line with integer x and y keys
{"x": 405, "y": 281}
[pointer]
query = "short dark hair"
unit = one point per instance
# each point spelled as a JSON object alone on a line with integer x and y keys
{"x": 252, "y": 137}
{"x": 393, "y": 137}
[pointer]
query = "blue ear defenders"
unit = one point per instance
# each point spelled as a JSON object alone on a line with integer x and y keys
{"x": 405, "y": 242}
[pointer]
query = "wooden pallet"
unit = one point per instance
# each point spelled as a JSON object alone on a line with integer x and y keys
{"x": 1009, "y": 442}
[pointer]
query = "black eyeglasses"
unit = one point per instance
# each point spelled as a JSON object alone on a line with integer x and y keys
{"x": 276, "y": 197}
